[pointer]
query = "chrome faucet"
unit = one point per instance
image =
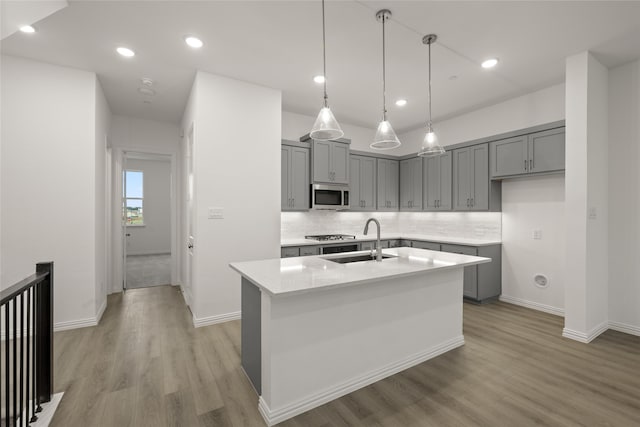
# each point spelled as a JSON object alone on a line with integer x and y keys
{"x": 378, "y": 245}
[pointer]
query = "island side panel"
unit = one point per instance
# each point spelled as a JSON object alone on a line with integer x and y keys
{"x": 251, "y": 333}
{"x": 318, "y": 346}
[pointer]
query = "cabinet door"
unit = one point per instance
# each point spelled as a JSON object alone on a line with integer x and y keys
{"x": 444, "y": 201}
{"x": 321, "y": 161}
{"x": 425, "y": 245}
{"x": 381, "y": 175}
{"x": 470, "y": 286}
{"x": 367, "y": 182}
{"x": 480, "y": 177}
{"x": 406, "y": 182}
{"x": 340, "y": 162}
{"x": 509, "y": 157}
{"x": 393, "y": 175}
{"x": 299, "y": 173}
{"x": 367, "y": 246}
{"x": 462, "y": 179}
{"x": 309, "y": 250}
{"x": 355, "y": 198}
{"x": 285, "y": 194}
{"x": 547, "y": 151}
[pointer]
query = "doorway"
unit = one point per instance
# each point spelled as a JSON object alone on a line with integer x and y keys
{"x": 147, "y": 221}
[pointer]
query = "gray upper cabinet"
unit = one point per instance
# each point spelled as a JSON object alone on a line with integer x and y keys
{"x": 388, "y": 174}
{"x": 471, "y": 178}
{"x": 362, "y": 185}
{"x": 547, "y": 151}
{"x": 411, "y": 184}
{"x": 436, "y": 177}
{"x": 330, "y": 162}
{"x": 540, "y": 152}
{"x": 294, "y": 178}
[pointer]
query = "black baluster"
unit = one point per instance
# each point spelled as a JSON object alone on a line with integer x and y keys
{"x": 21, "y": 357}
{"x": 6, "y": 361}
{"x": 15, "y": 359}
{"x": 34, "y": 418}
{"x": 26, "y": 412}
{"x": 38, "y": 346}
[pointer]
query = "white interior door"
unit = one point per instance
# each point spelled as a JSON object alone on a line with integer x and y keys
{"x": 125, "y": 232}
{"x": 189, "y": 217}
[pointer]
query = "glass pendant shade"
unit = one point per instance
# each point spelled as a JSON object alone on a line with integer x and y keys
{"x": 385, "y": 138}
{"x": 430, "y": 146}
{"x": 326, "y": 126}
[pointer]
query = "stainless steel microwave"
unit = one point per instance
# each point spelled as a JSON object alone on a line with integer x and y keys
{"x": 334, "y": 197}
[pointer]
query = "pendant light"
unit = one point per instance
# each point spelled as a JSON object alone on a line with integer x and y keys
{"x": 385, "y": 138}
{"x": 430, "y": 146}
{"x": 326, "y": 126}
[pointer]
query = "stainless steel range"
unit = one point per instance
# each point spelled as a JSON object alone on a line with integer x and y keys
{"x": 324, "y": 237}
{"x": 335, "y": 247}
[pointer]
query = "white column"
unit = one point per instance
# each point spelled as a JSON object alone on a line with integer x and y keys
{"x": 586, "y": 201}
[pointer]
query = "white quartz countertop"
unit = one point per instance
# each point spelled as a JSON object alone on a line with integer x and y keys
{"x": 372, "y": 236}
{"x": 282, "y": 276}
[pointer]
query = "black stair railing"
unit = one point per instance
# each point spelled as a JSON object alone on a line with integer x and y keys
{"x": 27, "y": 347}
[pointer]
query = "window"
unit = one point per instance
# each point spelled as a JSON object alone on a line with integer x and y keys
{"x": 133, "y": 197}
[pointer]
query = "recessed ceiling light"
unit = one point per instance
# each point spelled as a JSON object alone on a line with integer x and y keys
{"x": 27, "y": 29}
{"x": 125, "y": 51}
{"x": 490, "y": 63}
{"x": 318, "y": 79}
{"x": 401, "y": 102}
{"x": 194, "y": 42}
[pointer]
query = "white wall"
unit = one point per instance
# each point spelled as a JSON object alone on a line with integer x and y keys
{"x": 536, "y": 108}
{"x": 529, "y": 204}
{"x": 102, "y": 131}
{"x": 624, "y": 198}
{"x": 296, "y": 125}
{"x": 237, "y": 168}
{"x": 155, "y": 236}
{"x": 586, "y": 184}
{"x": 49, "y": 181}
{"x": 146, "y": 135}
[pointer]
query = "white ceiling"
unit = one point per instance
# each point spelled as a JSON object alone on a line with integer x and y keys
{"x": 278, "y": 44}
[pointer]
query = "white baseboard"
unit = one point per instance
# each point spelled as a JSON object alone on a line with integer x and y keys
{"x": 585, "y": 337}
{"x": 276, "y": 416}
{"x": 624, "y": 327}
{"x": 533, "y": 305}
{"x": 136, "y": 253}
{"x": 101, "y": 310}
{"x": 212, "y": 320}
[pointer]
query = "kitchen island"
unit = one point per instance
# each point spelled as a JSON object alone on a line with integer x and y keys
{"x": 314, "y": 329}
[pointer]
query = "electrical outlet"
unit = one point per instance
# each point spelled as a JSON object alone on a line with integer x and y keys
{"x": 593, "y": 213}
{"x": 216, "y": 213}
{"x": 537, "y": 234}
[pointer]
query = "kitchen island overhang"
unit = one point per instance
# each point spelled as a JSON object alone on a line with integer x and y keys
{"x": 314, "y": 330}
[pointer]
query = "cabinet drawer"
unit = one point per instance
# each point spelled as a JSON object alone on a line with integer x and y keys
{"x": 367, "y": 246}
{"x": 425, "y": 245}
{"x": 289, "y": 252}
{"x": 309, "y": 250}
{"x": 394, "y": 243}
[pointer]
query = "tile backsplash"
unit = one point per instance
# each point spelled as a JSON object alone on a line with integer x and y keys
{"x": 470, "y": 225}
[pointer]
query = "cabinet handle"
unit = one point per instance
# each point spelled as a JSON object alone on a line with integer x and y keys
{"x": 437, "y": 203}
{"x": 467, "y": 202}
{"x": 472, "y": 202}
{"x": 293, "y": 203}
{"x": 530, "y": 164}
{"x": 525, "y": 164}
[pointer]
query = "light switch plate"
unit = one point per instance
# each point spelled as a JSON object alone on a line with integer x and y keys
{"x": 537, "y": 234}
{"x": 216, "y": 213}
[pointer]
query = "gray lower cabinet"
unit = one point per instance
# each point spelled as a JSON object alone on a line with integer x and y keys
{"x": 294, "y": 178}
{"x": 289, "y": 251}
{"x": 330, "y": 162}
{"x": 425, "y": 245}
{"x": 388, "y": 185}
{"x": 436, "y": 175}
{"x": 540, "y": 152}
{"x": 482, "y": 282}
{"x": 362, "y": 183}
{"x": 411, "y": 184}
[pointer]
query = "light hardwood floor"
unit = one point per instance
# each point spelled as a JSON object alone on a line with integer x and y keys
{"x": 145, "y": 365}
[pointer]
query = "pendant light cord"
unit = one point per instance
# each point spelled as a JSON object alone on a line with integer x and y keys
{"x": 324, "y": 58}
{"x": 430, "y": 86}
{"x": 384, "y": 76}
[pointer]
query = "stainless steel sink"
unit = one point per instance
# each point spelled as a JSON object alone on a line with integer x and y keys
{"x": 357, "y": 258}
